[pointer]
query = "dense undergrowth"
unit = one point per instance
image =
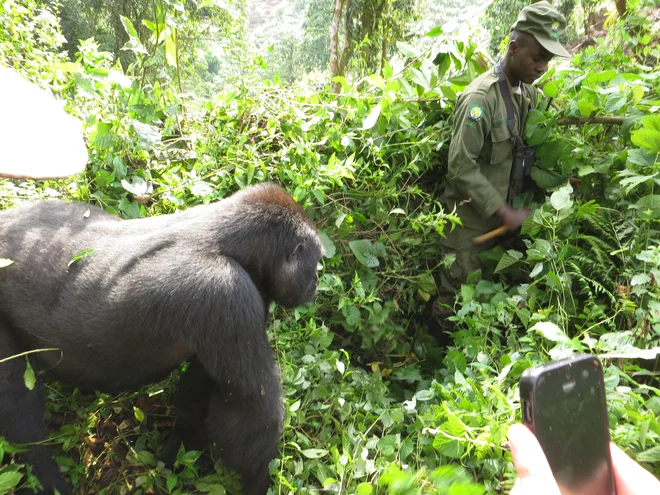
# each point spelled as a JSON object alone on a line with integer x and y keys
{"x": 373, "y": 404}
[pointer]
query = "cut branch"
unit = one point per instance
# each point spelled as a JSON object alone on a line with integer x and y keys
{"x": 593, "y": 120}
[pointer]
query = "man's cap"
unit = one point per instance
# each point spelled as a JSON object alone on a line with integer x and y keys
{"x": 546, "y": 24}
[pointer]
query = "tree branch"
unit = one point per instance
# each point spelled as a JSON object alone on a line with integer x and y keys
{"x": 603, "y": 119}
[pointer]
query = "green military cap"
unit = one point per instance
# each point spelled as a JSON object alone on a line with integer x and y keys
{"x": 545, "y": 23}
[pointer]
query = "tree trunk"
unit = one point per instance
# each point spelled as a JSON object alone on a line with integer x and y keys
{"x": 621, "y": 7}
{"x": 348, "y": 39}
{"x": 334, "y": 44}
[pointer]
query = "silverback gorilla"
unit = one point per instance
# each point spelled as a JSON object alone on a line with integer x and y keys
{"x": 154, "y": 292}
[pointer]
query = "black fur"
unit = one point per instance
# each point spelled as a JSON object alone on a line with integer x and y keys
{"x": 194, "y": 285}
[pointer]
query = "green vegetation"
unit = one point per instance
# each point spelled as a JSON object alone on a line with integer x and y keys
{"x": 373, "y": 404}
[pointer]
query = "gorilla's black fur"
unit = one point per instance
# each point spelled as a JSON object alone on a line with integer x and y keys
{"x": 154, "y": 292}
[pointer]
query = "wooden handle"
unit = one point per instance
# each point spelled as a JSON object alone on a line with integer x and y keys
{"x": 480, "y": 239}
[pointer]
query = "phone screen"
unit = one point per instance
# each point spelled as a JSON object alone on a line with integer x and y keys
{"x": 570, "y": 422}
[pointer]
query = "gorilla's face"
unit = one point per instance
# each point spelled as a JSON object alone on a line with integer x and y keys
{"x": 295, "y": 281}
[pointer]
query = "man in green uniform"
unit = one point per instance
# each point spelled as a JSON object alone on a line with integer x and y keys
{"x": 483, "y": 178}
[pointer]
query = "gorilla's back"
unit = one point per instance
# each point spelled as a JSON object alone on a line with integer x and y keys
{"x": 110, "y": 279}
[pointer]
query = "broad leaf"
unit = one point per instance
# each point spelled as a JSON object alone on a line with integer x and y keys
{"x": 366, "y": 252}
{"x": 9, "y": 480}
{"x": 550, "y": 331}
{"x": 649, "y": 136}
{"x": 508, "y": 259}
{"x": 372, "y": 118}
{"x": 28, "y": 377}
{"x": 547, "y": 179}
{"x": 314, "y": 453}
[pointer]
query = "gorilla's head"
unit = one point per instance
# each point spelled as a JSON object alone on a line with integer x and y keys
{"x": 275, "y": 241}
{"x": 294, "y": 282}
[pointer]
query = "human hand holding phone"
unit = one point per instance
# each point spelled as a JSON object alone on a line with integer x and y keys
{"x": 535, "y": 476}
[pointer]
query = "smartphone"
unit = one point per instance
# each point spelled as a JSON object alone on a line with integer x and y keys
{"x": 563, "y": 403}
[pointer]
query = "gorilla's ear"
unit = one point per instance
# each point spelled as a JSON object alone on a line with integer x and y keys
{"x": 297, "y": 252}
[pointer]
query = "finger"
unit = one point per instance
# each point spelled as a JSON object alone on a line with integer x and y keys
{"x": 527, "y": 454}
{"x": 535, "y": 476}
{"x": 630, "y": 477}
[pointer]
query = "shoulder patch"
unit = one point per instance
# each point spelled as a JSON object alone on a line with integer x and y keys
{"x": 498, "y": 122}
{"x": 476, "y": 112}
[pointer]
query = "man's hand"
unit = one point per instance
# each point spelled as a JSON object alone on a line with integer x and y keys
{"x": 511, "y": 217}
{"x": 535, "y": 476}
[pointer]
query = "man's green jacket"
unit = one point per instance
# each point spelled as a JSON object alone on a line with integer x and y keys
{"x": 481, "y": 150}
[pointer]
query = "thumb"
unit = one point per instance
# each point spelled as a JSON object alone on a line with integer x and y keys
{"x": 534, "y": 473}
{"x": 630, "y": 477}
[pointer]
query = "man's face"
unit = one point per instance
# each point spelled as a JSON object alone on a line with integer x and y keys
{"x": 529, "y": 61}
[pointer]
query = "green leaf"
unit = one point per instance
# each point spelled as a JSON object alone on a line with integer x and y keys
{"x": 595, "y": 78}
{"x": 614, "y": 102}
{"x": 388, "y": 445}
{"x": 28, "y": 377}
{"x": 138, "y": 186}
{"x": 450, "y": 448}
{"x": 586, "y": 107}
{"x": 147, "y": 458}
{"x": 376, "y": 81}
{"x": 535, "y": 117}
{"x": 549, "y": 153}
{"x": 508, "y": 259}
{"x": 295, "y": 406}
{"x": 407, "y": 49}
{"x": 139, "y": 415}
{"x": 101, "y": 135}
{"x": 314, "y": 453}
{"x": 426, "y": 282}
{"x": 365, "y": 489}
{"x": 551, "y": 89}
{"x": 372, "y": 118}
{"x": 547, "y": 179}
{"x": 81, "y": 255}
{"x": 329, "y": 249}
{"x": 9, "y": 480}
{"x": 629, "y": 183}
{"x": 640, "y": 279}
{"x": 436, "y": 31}
{"x": 550, "y": 331}
{"x": 418, "y": 77}
{"x": 651, "y": 456}
{"x": 68, "y": 67}
{"x": 640, "y": 157}
{"x": 148, "y": 134}
{"x": 538, "y": 135}
{"x": 128, "y": 26}
{"x": 561, "y": 198}
{"x": 648, "y": 206}
{"x": 352, "y": 315}
{"x": 366, "y": 252}
{"x": 406, "y": 449}
{"x": 133, "y": 45}
{"x": 170, "y": 50}
{"x": 538, "y": 268}
{"x": 4, "y": 262}
{"x": 172, "y": 480}
{"x": 649, "y": 136}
